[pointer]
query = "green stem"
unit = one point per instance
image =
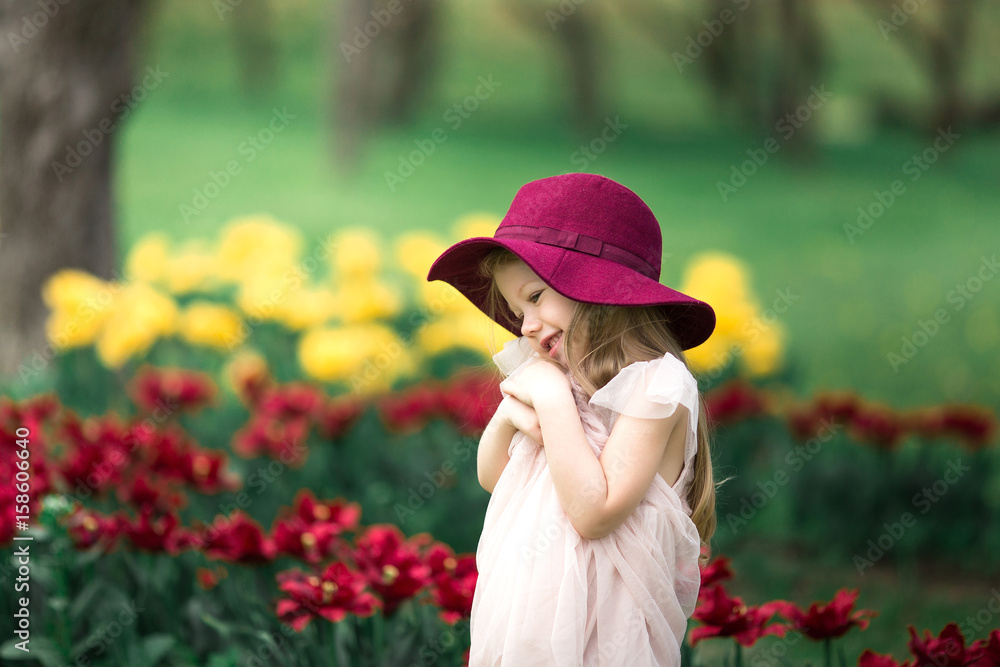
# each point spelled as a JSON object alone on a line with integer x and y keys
{"x": 685, "y": 653}
{"x": 327, "y": 633}
{"x": 826, "y": 652}
{"x": 378, "y": 636}
{"x": 737, "y": 655}
{"x": 65, "y": 641}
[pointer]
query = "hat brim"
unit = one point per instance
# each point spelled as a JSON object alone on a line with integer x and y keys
{"x": 578, "y": 276}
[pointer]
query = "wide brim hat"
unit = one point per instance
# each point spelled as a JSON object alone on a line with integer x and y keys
{"x": 590, "y": 239}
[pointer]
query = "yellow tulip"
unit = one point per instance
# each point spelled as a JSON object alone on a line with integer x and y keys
{"x": 368, "y": 357}
{"x": 192, "y": 268}
{"x": 416, "y": 252}
{"x": 733, "y": 319}
{"x": 440, "y": 298}
{"x": 80, "y": 305}
{"x": 715, "y": 276}
{"x": 762, "y": 353}
{"x": 147, "y": 261}
{"x": 307, "y": 307}
{"x": 254, "y": 245}
{"x": 261, "y": 297}
{"x": 355, "y": 254}
{"x": 139, "y": 316}
{"x": 211, "y": 325}
{"x": 714, "y": 354}
{"x": 476, "y": 224}
{"x": 435, "y": 337}
{"x": 366, "y": 299}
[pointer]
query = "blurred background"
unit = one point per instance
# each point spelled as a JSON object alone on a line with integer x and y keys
{"x": 824, "y": 172}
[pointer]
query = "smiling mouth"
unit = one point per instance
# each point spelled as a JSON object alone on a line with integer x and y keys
{"x": 550, "y": 343}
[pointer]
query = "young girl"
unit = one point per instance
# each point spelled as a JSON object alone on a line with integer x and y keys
{"x": 597, "y": 458}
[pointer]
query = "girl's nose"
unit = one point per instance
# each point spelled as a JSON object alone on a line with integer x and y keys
{"x": 529, "y": 325}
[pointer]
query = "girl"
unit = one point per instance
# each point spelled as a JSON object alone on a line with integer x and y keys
{"x": 598, "y": 456}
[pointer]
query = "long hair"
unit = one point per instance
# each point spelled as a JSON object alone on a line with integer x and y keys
{"x": 611, "y": 338}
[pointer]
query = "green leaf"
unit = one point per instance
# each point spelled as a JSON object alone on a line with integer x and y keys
{"x": 42, "y": 650}
{"x": 85, "y": 599}
{"x": 91, "y": 555}
{"x": 156, "y": 647}
{"x": 58, "y": 604}
{"x": 224, "y": 629}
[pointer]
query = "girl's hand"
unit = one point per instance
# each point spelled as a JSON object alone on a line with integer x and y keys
{"x": 540, "y": 378}
{"x": 522, "y": 417}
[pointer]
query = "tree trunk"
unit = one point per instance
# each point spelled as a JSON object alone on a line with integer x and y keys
{"x": 256, "y": 45}
{"x": 66, "y": 87}
{"x": 385, "y": 57}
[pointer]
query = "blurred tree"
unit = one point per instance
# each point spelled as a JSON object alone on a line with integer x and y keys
{"x": 256, "y": 47}
{"x": 759, "y": 60}
{"x": 384, "y": 57}
{"x": 571, "y": 27}
{"x": 66, "y": 86}
{"x": 937, "y": 36}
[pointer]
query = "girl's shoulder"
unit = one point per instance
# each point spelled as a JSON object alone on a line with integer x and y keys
{"x": 650, "y": 389}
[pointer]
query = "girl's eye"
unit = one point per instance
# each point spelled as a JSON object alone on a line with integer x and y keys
{"x": 534, "y": 297}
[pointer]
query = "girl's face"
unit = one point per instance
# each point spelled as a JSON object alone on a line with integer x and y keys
{"x": 544, "y": 313}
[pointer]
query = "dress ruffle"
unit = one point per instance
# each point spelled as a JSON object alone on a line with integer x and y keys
{"x": 547, "y": 596}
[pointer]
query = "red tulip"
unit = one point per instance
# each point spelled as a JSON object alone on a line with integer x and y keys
{"x": 153, "y": 531}
{"x": 167, "y": 391}
{"x": 409, "y": 410}
{"x": 250, "y": 378}
{"x": 871, "y": 659}
{"x": 336, "y": 416}
{"x": 973, "y": 424}
{"x": 87, "y": 527}
{"x": 141, "y": 492}
{"x": 208, "y": 472}
{"x": 334, "y": 594}
{"x": 393, "y": 565}
{"x": 282, "y": 439}
{"x": 734, "y": 401}
{"x": 339, "y": 513}
{"x": 990, "y": 656}
{"x": 829, "y": 620}
{"x": 839, "y": 406}
{"x": 716, "y": 571}
{"x": 311, "y": 543}
{"x": 723, "y": 616}
{"x": 237, "y": 539}
{"x": 946, "y": 650}
{"x": 878, "y": 425}
{"x": 471, "y": 401}
{"x": 454, "y": 582}
{"x": 209, "y": 578}
{"x": 290, "y": 401}
{"x": 31, "y": 413}
{"x": 97, "y": 455}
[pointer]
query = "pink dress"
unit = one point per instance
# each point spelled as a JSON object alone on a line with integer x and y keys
{"x": 545, "y": 595}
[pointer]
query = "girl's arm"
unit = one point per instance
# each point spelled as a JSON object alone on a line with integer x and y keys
{"x": 598, "y": 494}
{"x": 511, "y": 416}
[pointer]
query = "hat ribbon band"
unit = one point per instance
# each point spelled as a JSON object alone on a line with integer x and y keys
{"x": 580, "y": 243}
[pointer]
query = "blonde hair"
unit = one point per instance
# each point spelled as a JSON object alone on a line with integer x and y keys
{"x": 613, "y": 337}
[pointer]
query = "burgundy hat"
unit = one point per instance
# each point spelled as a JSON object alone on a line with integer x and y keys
{"x": 590, "y": 239}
